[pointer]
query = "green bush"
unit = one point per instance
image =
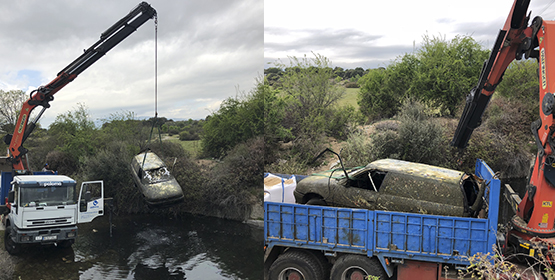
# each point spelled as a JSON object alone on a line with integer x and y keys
{"x": 62, "y": 162}
{"x": 188, "y": 136}
{"x": 237, "y": 120}
{"x": 340, "y": 120}
{"x": 193, "y": 180}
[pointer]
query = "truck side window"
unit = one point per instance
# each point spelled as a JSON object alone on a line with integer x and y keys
{"x": 95, "y": 191}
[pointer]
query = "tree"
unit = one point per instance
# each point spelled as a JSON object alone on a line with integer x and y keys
{"x": 124, "y": 127}
{"x": 339, "y": 72}
{"x": 237, "y": 120}
{"x": 311, "y": 93}
{"x": 274, "y": 115}
{"x": 273, "y": 75}
{"x": 447, "y": 71}
{"x": 10, "y": 104}
{"x": 521, "y": 81}
{"x": 382, "y": 90}
{"x": 74, "y": 132}
{"x": 440, "y": 74}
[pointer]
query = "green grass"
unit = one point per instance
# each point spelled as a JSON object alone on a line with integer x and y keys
{"x": 350, "y": 98}
{"x": 192, "y": 147}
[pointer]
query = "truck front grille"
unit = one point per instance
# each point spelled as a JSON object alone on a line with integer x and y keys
{"x": 49, "y": 222}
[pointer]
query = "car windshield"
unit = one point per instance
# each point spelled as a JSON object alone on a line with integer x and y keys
{"x": 47, "y": 196}
{"x": 156, "y": 175}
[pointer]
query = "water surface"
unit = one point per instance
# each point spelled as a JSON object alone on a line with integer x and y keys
{"x": 151, "y": 247}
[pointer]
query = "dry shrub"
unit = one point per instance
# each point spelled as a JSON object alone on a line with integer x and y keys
{"x": 358, "y": 150}
{"x": 511, "y": 118}
{"x": 233, "y": 182}
{"x": 417, "y": 137}
{"x": 112, "y": 166}
{"x": 387, "y": 125}
{"x": 499, "y": 151}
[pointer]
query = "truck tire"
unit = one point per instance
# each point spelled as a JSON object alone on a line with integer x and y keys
{"x": 11, "y": 247}
{"x": 296, "y": 265}
{"x": 355, "y": 267}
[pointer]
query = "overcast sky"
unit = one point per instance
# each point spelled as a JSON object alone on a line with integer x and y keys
{"x": 206, "y": 51}
{"x": 370, "y": 33}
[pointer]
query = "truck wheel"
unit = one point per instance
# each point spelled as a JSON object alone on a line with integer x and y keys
{"x": 357, "y": 267}
{"x": 11, "y": 247}
{"x": 296, "y": 265}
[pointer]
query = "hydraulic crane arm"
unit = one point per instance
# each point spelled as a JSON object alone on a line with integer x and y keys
{"x": 535, "y": 213}
{"x": 514, "y": 40}
{"x": 44, "y": 94}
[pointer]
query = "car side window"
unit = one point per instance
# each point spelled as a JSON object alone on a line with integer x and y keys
{"x": 370, "y": 180}
{"x": 377, "y": 178}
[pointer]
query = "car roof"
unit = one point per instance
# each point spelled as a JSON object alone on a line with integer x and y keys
{"x": 417, "y": 170}
{"x": 152, "y": 161}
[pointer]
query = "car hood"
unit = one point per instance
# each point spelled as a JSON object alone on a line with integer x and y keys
{"x": 162, "y": 190}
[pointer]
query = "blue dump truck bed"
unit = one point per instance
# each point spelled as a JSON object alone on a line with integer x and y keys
{"x": 384, "y": 234}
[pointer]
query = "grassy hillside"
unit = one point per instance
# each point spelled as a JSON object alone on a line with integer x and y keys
{"x": 350, "y": 98}
{"x": 192, "y": 147}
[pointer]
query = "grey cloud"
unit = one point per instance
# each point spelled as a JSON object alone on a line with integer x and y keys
{"x": 205, "y": 49}
{"x": 347, "y": 44}
{"x": 320, "y": 38}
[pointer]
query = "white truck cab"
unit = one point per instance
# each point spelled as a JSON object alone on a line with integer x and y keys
{"x": 46, "y": 209}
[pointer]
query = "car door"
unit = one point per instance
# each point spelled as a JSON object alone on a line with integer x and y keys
{"x": 91, "y": 201}
{"x": 360, "y": 191}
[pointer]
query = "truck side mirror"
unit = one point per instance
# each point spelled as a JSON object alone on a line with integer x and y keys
{"x": 88, "y": 196}
{"x": 11, "y": 197}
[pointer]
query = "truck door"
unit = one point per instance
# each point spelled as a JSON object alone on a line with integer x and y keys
{"x": 91, "y": 201}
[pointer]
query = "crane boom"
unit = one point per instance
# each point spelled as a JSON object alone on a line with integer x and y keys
{"x": 535, "y": 212}
{"x": 44, "y": 94}
{"x": 509, "y": 45}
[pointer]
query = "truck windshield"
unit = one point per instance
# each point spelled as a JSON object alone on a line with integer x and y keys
{"x": 47, "y": 196}
{"x": 156, "y": 175}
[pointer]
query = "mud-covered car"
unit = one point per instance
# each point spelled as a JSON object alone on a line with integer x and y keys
{"x": 154, "y": 180}
{"x": 395, "y": 185}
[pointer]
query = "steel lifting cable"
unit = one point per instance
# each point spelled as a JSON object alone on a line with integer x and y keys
{"x": 155, "y": 89}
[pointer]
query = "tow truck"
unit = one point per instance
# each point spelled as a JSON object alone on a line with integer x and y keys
{"x": 44, "y": 208}
{"x": 322, "y": 242}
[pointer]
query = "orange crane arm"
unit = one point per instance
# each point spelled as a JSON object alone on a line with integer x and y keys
{"x": 509, "y": 45}
{"x": 44, "y": 94}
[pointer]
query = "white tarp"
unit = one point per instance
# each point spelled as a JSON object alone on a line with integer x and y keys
{"x": 279, "y": 189}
